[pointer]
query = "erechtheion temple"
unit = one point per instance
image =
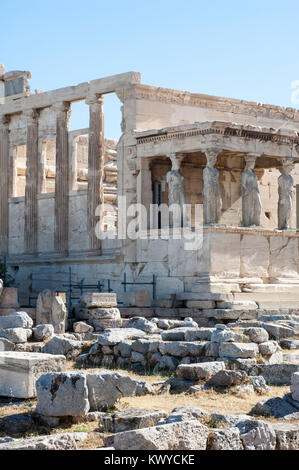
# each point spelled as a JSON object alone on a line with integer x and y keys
{"x": 238, "y": 160}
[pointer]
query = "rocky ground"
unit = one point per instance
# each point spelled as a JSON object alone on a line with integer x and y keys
{"x": 20, "y": 422}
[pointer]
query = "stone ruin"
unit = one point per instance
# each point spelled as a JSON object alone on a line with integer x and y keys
{"x": 223, "y": 316}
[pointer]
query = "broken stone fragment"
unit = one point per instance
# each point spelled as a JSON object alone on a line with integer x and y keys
{"x": 62, "y": 394}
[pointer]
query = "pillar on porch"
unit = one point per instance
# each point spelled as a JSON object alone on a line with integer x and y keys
{"x": 212, "y": 201}
{"x": 176, "y": 189}
{"x": 62, "y": 178}
{"x": 31, "y": 188}
{"x": 145, "y": 188}
{"x": 286, "y": 193}
{"x": 251, "y": 200}
{"x": 4, "y": 184}
{"x": 95, "y": 191}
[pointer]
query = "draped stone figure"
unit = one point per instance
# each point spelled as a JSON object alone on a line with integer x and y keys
{"x": 176, "y": 190}
{"x": 286, "y": 194}
{"x": 251, "y": 200}
{"x": 212, "y": 202}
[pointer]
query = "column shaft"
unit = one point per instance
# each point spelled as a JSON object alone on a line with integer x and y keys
{"x": 95, "y": 191}
{"x": 61, "y": 233}
{"x": 4, "y": 185}
{"x": 31, "y": 189}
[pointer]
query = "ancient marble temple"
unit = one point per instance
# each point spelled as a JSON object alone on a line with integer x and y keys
{"x": 238, "y": 160}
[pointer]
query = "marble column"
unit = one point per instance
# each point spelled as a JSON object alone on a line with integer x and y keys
{"x": 286, "y": 193}
{"x": 31, "y": 188}
{"x": 212, "y": 201}
{"x": 95, "y": 191}
{"x": 4, "y": 184}
{"x": 145, "y": 188}
{"x": 176, "y": 189}
{"x": 61, "y": 230}
{"x": 251, "y": 200}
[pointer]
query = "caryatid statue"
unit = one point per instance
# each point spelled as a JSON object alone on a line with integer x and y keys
{"x": 286, "y": 194}
{"x": 176, "y": 190}
{"x": 212, "y": 202}
{"x": 251, "y": 200}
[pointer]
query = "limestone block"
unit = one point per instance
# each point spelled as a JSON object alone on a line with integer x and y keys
{"x": 257, "y": 335}
{"x": 226, "y": 335}
{"x": 16, "y": 320}
{"x": 15, "y": 335}
{"x": 43, "y": 332}
{"x": 295, "y": 386}
{"x": 181, "y": 348}
{"x": 228, "y": 378}
{"x": 103, "y": 318}
{"x": 105, "y": 388}
{"x": 62, "y": 394}
{"x": 225, "y": 439}
{"x": 238, "y": 350}
{"x": 202, "y": 370}
{"x": 257, "y": 435}
{"x": 131, "y": 418}
{"x": 276, "y": 374}
{"x": 185, "y": 435}
{"x": 268, "y": 348}
{"x": 283, "y": 257}
{"x": 82, "y": 327}
{"x": 139, "y": 298}
{"x": 254, "y": 256}
{"x": 198, "y": 334}
{"x": 20, "y": 370}
{"x": 63, "y": 346}
{"x": 141, "y": 323}
{"x": 287, "y": 436}
{"x": 225, "y": 254}
{"x": 9, "y": 298}
{"x": 115, "y": 336}
{"x": 50, "y": 309}
{"x": 64, "y": 441}
{"x": 278, "y": 331}
{"x": 99, "y": 300}
{"x": 6, "y": 345}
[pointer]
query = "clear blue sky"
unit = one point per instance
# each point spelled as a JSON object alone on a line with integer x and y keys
{"x": 227, "y": 48}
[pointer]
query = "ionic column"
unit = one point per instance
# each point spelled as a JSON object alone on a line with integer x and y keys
{"x": 212, "y": 201}
{"x": 286, "y": 193}
{"x": 251, "y": 200}
{"x": 62, "y": 178}
{"x": 95, "y": 191}
{"x": 4, "y": 184}
{"x": 31, "y": 189}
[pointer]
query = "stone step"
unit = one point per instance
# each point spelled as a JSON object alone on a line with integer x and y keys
{"x": 204, "y": 296}
{"x": 230, "y": 314}
{"x": 237, "y": 305}
{"x": 222, "y": 288}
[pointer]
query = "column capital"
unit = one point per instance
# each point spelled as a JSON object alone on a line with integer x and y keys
{"x": 61, "y": 106}
{"x": 31, "y": 114}
{"x": 4, "y": 120}
{"x": 176, "y": 160}
{"x": 212, "y": 154}
{"x": 287, "y": 165}
{"x": 94, "y": 99}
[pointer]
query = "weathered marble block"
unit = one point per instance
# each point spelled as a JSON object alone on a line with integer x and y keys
{"x": 99, "y": 300}
{"x": 20, "y": 370}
